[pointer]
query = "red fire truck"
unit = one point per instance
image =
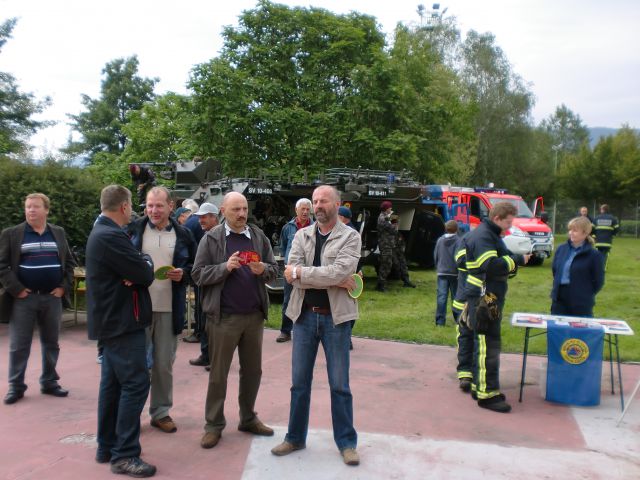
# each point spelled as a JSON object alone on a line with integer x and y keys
{"x": 479, "y": 202}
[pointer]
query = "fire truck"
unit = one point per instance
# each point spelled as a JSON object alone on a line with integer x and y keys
{"x": 480, "y": 200}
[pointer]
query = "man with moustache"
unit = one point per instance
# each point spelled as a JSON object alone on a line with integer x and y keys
{"x": 321, "y": 263}
{"x": 235, "y": 299}
{"x": 36, "y": 272}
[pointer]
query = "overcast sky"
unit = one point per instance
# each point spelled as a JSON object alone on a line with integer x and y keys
{"x": 583, "y": 53}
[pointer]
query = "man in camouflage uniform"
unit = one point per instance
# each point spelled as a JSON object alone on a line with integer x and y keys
{"x": 391, "y": 245}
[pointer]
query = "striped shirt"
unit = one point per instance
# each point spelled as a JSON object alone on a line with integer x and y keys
{"x": 39, "y": 267}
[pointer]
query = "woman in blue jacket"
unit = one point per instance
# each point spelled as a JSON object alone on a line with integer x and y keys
{"x": 578, "y": 272}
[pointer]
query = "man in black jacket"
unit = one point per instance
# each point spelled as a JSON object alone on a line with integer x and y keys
{"x": 118, "y": 311}
{"x": 606, "y": 226}
{"x": 170, "y": 245}
{"x": 36, "y": 273}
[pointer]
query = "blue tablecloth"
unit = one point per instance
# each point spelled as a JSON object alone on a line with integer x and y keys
{"x": 575, "y": 364}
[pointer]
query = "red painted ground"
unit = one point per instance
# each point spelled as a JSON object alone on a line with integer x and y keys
{"x": 399, "y": 389}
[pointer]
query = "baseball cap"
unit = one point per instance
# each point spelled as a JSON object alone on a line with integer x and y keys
{"x": 345, "y": 212}
{"x": 385, "y": 205}
{"x": 180, "y": 211}
{"x": 207, "y": 208}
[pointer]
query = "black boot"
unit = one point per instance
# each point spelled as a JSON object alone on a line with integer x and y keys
{"x": 408, "y": 284}
{"x": 380, "y": 287}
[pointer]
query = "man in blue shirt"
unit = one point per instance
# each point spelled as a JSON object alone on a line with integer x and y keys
{"x": 36, "y": 272}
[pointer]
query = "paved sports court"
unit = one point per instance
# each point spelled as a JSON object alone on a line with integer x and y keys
{"x": 412, "y": 420}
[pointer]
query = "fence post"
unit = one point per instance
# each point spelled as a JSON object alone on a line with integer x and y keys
{"x": 637, "y": 207}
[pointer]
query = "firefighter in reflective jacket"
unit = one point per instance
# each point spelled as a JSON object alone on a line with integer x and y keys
{"x": 489, "y": 264}
{"x": 605, "y": 227}
{"x": 464, "y": 335}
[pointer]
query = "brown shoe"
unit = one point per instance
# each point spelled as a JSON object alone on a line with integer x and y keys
{"x": 285, "y": 448}
{"x": 283, "y": 337}
{"x": 210, "y": 439}
{"x": 350, "y": 456}
{"x": 165, "y": 424}
{"x": 257, "y": 428}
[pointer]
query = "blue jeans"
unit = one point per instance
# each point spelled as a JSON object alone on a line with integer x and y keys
{"x": 124, "y": 387}
{"x": 447, "y": 285}
{"x": 309, "y": 331}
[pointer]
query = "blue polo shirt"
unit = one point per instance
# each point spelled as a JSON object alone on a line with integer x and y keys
{"x": 39, "y": 267}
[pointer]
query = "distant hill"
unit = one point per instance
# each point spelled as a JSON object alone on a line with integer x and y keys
{"x": 596, "y": 133}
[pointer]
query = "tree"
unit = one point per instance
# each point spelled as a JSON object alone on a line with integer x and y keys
{"x": 17, "y": 109}
{"x": 160, "y": 131}
{"x": 626, "y": 147}
{"x": 566, "y": 129}
{"x": 282, "y": 94}
{"x": 301, "y": 89}
{"x": 101, "y": 124}
{"x": 503, "y": 105}
{"x": 435, "y": 125}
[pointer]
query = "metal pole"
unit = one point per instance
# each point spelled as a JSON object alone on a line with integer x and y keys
{"x": 637, "y": 207}
{"x": 555, "y": 190}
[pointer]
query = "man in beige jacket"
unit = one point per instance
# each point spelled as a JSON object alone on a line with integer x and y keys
{"x": 321, "y": 262}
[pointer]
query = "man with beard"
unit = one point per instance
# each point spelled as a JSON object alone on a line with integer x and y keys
{"x": 323, "y": 258}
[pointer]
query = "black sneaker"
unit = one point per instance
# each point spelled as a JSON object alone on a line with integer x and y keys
{"x": 134, "y": 467}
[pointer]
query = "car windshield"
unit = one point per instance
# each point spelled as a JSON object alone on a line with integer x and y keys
{"x": 523, "y": 210}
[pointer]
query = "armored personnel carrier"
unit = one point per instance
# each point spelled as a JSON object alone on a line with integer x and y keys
{"x": 272, "y": 204}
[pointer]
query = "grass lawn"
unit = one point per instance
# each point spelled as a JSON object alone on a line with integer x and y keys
{"x": 408, "y": 315}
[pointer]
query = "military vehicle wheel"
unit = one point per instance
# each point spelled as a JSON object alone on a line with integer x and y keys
{"x": 535, "y": 261}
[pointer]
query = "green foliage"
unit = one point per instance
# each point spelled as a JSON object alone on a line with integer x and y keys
{"x": 608, "y": 174}
{"x": 74, "y": 195}
{"x": 503, "y": 104}
{"x": 626, "y": 160}
{"x": 408, "y": 315}
{"x": 566, "y": 129}
{"x": 429, "y": 112}
{"x": 16, "y": 108}
{"x": 302, "y": 89}
{"x": 278, "y": 96}
{"x": 101, "y": 124}
{"x": 160, "y": 131}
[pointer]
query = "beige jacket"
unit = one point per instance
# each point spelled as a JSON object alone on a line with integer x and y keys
{"x": 340, "y": 255}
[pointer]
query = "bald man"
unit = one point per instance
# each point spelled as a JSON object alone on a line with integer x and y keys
{"x": 235, "y": 300}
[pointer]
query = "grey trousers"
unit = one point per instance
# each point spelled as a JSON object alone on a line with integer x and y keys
{"x": 45, "y": 311}
{"x": 163, "y": 344}
{"x": 243, "y": 332}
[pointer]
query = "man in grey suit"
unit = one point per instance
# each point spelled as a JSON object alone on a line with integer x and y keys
{"x": 36, "y": 272}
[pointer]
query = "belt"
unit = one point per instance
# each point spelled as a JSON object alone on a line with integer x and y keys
{"x": 319, "y": 310}
{"x": 40, "y": 292}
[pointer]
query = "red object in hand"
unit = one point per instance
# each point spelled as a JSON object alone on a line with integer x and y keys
{"x": 248, "y": 256}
